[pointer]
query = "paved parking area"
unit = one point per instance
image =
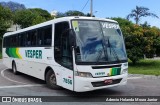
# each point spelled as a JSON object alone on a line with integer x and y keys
{"x": 24, "y": 85}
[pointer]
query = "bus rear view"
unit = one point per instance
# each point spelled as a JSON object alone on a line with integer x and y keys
{"x": 100, "y": 55}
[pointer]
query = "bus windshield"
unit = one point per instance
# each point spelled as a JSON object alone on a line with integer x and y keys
{"x": 98, "y": 41}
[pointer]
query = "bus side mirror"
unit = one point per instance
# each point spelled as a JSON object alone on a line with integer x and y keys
{"x": 72, "y": 38}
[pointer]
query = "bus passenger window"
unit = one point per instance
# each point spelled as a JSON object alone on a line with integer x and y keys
{"x": 47, "y": 35}
{"x": 33, "y": 38}
{"x": 44, "y": 36}
{"x": 40, "y": 36}
{"x": 28, "y": 42}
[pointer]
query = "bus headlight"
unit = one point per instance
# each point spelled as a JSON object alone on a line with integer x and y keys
{"x": 125, "y": 71}
{"x": 83, "y": 74}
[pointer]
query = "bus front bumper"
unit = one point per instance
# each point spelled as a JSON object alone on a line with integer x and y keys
{"x": 82, "y": 84}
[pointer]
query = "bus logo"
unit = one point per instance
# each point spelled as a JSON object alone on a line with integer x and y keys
{"x": 6, "y": 99}
{"x": 33, "y": 54}
{"x": 13, "y": 52}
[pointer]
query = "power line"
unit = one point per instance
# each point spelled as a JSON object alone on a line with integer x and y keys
{"x": 91, "y": 8}
{"x": 85, "y": 5}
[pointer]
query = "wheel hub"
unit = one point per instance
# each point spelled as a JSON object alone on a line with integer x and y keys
{"x": 53, "y": 79}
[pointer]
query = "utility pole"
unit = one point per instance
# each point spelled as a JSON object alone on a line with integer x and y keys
{"x": 91, "y": 11}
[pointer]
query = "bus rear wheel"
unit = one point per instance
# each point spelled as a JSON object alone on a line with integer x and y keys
{"x": 14, "y": 68}
{"x": 51, "y": 80}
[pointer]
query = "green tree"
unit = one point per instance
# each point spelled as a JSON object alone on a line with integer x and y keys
{"x": 153, "y": 35}
{"x": 132, "y": 35}
{"x": 89, "y": 15}
{"x": 140, "y": 12}
{"x": 40, "y": 12}
{"x": 135, "y": 43}
{"x": 38, "y": 19}
{"x": 140, "y": 40}
{"x": 30, "y": 17}
{"x": 126, "y": 25}
{"x": 134, "y": 48}
{"x": 145, "y": 25}
{"x": 74, "y": 13}
{"x": 60, "y": 14}
{"x": 24, "y": 18}
{"x": 5, "y": 20}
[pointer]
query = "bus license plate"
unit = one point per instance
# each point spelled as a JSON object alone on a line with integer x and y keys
{"x": 108, "y": 81}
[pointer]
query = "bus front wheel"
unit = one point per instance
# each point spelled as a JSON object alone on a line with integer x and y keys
{"x": 51, "y": 80}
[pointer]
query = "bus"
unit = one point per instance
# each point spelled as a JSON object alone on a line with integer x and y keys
{"x": 77, "y": 53}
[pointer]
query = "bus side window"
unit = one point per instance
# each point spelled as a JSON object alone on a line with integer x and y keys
{"x": 27, "y": 39}
{"x": 9, "y": 41}
{"x": 33, "y": 37}
{"x": 4, "y": 42}
{"x": 13, "y": 40}
{"x": 19, "y": 39}
{"x": 22, "y": 39}
{"x": 40, "y": 36}
{"x": 47, "y": 36}
{"x": 44, "y": 36}
{"x": 16, "y": 41}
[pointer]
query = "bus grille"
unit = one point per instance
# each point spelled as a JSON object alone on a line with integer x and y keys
{"x": 102, "y": 83}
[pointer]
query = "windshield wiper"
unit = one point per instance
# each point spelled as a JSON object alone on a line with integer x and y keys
{"x": 99, "y": 55}
{"x": 112, "y": 49}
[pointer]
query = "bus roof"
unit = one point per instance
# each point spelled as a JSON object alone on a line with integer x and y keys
{"x": 55, "y": 21}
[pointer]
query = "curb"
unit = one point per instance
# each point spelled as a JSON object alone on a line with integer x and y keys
{"x": 144, "y": 76}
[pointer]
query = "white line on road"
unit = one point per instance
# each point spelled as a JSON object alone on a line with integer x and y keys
{"x": 17, "y": 86}
{"x": 2, "y": 73}
{"x": 134, "y": 78}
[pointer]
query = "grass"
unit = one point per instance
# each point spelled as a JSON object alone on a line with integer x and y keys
{"x": 146, "y": 67}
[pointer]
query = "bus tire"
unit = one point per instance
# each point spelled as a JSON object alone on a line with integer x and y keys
{"x": 51, "y": 80}
{"x": 14, "y": 68}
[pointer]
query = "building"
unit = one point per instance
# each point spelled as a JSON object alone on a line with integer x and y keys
{"x": 14, "y": 27}
{"x": 54, "y": 13}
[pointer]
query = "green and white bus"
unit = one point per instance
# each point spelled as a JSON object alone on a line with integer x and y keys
{"x": 77, "y": 53}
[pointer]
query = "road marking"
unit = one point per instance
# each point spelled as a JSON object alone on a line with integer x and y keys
{"x": 134, "y": 78}
{"x": 19, "y": 86}
{"x": 2, "y": 73}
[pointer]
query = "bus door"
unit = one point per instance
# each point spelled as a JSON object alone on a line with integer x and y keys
{"x": 67, "y": 62}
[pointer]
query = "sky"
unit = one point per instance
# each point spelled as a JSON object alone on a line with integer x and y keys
{"x": 101, "y": 8}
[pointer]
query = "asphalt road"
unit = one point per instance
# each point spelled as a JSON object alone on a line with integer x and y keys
{"x": 24, "y": 85}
